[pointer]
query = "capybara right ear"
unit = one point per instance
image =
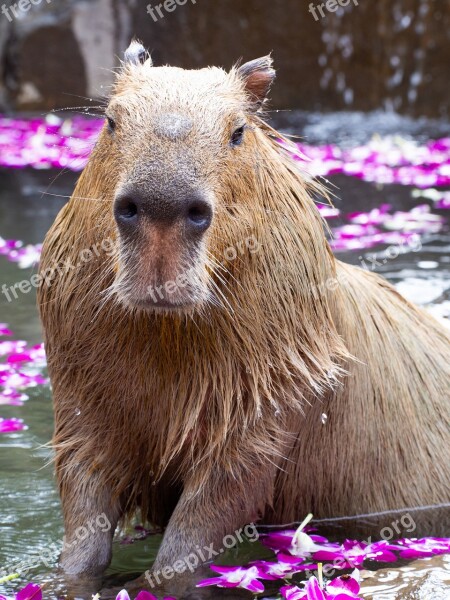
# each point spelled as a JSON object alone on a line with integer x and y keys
{"x": 258, "y": 76}
{"x": 136, "y": 54}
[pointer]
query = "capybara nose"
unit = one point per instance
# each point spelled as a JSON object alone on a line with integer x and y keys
{"x": 194, "y": 212}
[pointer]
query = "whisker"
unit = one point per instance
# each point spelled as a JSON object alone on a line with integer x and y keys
{"x": 82, "y": 97}
{"x": 72, "y": 109}
{"x": 222, "y": 295}
{"x": 44, "y": 193}
{"x": 210, "y": 256}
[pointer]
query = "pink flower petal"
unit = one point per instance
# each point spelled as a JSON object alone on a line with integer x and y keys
{"x": 4, "y": 329}
{"x": 313, "y": 590}
{"x": 211, "y": 581}
{"x": 11, "y": 426}
{"x": 144, "y": 595}
{"x": 347, "y": 583}
{"x": 292, "y": 592}
{"x": 30, "y": 592}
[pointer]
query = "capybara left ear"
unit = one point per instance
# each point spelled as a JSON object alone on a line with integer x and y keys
{"x": 136, "y": 54}
{"x": 258, "y": 76}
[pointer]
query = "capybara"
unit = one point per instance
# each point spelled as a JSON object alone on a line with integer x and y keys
{"x": 192, "y": 364}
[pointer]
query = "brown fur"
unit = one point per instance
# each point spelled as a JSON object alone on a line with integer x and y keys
{"x": 209, "y": 418}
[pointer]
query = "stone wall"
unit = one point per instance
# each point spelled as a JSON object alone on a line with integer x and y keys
{"x": 371, "y": 54}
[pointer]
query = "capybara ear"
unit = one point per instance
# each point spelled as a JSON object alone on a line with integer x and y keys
{"x": 136, "y": 54}
{"x": 258, "y": 76}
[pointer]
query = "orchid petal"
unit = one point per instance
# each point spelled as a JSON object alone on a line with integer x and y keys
{"x": 144, "y": 595}
{"x": 30, "y": 592}
{"x": 313, "y": 590}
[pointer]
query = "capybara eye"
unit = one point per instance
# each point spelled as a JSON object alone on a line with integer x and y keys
{"x": 238, "y": 136}
{"x": 111, "y": 124}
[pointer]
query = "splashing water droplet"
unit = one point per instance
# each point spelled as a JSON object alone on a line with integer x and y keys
{"x": 324, "y": 418}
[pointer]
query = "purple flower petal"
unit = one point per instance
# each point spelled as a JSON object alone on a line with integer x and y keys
{"x": 424, "y": 547}
{"x": 280, "y": 540}
{"x": 254, "y": 586}
{"x": 30, "y": 592}
{"x": 144, "y": 595}
{"x": 292, "y": 592}
{"x": 11, "y": 426}
{"x": 285, "y": 567}
{"x": 313, "y": 590}
{"x": 347, "y": 583}
{"x": 211, "y": 581}
{"x": 245, "y": 578}
{"x": 4, "y": 329}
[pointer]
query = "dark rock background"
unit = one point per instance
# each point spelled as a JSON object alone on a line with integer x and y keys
{"x": 388, "y": 54}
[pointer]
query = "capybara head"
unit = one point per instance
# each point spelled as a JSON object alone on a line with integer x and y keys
{"x": 182, "y": 145}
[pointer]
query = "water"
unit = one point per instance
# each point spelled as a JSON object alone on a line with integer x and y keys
{"x": 426, "y": 579}
{"x": 30, "y": 516}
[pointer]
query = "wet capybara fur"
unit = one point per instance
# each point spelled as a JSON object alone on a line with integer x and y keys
{"x": 191, "y": 365}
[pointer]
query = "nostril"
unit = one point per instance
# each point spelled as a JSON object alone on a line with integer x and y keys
{"x": 199, "y": 215}
{"x": 126, "y": 209}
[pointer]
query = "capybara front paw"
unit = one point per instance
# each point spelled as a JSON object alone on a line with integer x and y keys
{"x": 60, "y": 585}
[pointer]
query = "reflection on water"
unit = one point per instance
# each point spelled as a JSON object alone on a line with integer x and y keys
{"x": 427, "y": 579}
{"x": 30, "y": 519}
